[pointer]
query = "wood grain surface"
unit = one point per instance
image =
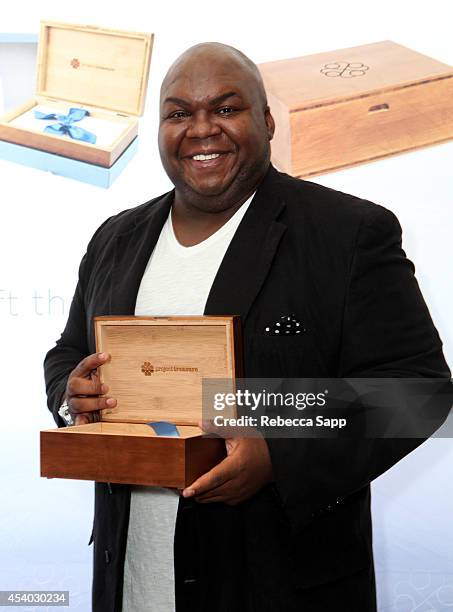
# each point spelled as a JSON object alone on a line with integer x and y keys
{"x": 83, "y": 151}
{"x": 141, "y": 460}
{"x": 158, "y": 364}
{"x": 351, "y": 106}
{"x": 102, "y": 70}
{"x": 121, "y": 447}
{"x": 101, "y": 67}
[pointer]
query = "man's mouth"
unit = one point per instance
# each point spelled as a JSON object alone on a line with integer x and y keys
{"x": 202, "y": 157}
{"x": 211, "y": 161}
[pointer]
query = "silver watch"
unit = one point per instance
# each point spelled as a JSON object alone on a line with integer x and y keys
{"x": 65, "y": 414}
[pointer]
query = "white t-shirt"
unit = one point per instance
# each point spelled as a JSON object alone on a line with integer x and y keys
{"x": 177, "y": 281}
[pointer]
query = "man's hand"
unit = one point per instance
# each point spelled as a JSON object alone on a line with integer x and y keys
{"x": 245, "y": 470}
{"x": 84, "y": 388}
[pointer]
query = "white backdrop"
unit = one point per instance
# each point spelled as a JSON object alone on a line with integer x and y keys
{"x": 47, "y": 222}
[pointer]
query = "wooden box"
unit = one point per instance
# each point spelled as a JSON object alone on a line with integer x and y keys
{"x": 341, "y": 108}
{"x": 102, "y": 71}
{"x": 155, "y": 373}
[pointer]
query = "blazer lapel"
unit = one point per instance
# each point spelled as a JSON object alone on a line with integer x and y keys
{"x": 250, "y": 254}
{"x": 242, "y": 271}
{"x": 132, "y": 252}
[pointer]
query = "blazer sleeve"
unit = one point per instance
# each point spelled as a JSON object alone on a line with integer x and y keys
{"x": 72, "y": 345}
{"x": 387, "y": 332}
{"x": 69, "y": 350}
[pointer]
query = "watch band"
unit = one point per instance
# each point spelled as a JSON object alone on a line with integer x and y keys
{"x": 65, "y": 414}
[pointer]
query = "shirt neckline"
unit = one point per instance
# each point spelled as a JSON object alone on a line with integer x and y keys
{"x": 229, "y": 227}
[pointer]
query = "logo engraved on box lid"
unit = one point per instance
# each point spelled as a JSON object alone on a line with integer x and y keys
{"x": 346, "y": 70}
{"x": 76, "y": 63}
{"x": 148, "y": 368}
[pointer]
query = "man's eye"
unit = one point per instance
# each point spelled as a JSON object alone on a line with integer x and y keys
{"x": 226, "y": 110}
{"x": 178, "y": 115}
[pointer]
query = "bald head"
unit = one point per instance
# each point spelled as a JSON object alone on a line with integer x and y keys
{"x": 223, "y": 55}
{"x": 215, "y": 127}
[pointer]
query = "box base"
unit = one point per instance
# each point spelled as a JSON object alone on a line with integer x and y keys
{"x": 67, "y": 167}
{"x": 128, "y": 453}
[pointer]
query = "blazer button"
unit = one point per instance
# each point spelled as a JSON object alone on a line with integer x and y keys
{"x": 190, "y": 580}
{"x": 109, "y": 487}
{"x": 107, "y": 557}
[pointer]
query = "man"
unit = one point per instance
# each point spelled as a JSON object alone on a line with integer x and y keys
{"x": 279, "y": 525}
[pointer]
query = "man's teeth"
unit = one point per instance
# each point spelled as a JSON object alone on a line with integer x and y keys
{"x": 205, "y": 157}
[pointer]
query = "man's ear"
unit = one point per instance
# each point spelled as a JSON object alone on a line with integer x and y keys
{"x": 270, "y": 123}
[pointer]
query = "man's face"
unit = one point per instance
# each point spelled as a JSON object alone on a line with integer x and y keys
{"x": 215, "y": 129}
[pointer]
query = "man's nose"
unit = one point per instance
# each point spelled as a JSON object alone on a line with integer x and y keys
{"x": 202, "y": 125}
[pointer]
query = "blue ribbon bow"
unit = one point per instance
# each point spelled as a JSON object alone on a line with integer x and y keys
{"x": 65, "y": 124}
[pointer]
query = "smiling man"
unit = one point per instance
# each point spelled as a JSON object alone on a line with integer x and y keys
{"x": 279, "y": 525}
{"x": 214, "y": 137}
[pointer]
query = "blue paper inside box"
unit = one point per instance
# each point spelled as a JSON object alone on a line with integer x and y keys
{"x": 83, "y": 120}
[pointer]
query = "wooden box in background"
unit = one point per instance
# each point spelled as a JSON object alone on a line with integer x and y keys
{"x": 155, "y": 373}
{"x": 341, "y": 108}
{"x": 103, "y": 71}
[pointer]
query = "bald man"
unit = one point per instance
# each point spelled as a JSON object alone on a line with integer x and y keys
{"x": 279, "y": 525}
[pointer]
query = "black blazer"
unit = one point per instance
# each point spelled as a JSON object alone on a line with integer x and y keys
{"x": 335, "y": 261}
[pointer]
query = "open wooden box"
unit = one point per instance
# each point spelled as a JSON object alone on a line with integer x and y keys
{"x": 337, "y": 109}
{"x": 155, "y": 373}
{"x": 100, "y": 70}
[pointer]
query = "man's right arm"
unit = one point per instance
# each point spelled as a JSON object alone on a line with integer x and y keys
{"x": 72, "y": 347}
{"x": 69, "y": 350}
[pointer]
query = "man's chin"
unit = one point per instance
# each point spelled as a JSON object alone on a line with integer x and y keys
{"x": 209, "y": 189}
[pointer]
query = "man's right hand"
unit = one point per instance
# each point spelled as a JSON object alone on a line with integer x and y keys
{"x": 83, "y": 390}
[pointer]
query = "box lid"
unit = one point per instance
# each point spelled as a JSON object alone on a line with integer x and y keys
{"x": 158, "y": 363}
{"x": 335, "y": 76}
{"x": 94, "y": 66}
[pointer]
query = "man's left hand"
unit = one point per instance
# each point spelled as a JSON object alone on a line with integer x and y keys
{"x": 245, "y": 470}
